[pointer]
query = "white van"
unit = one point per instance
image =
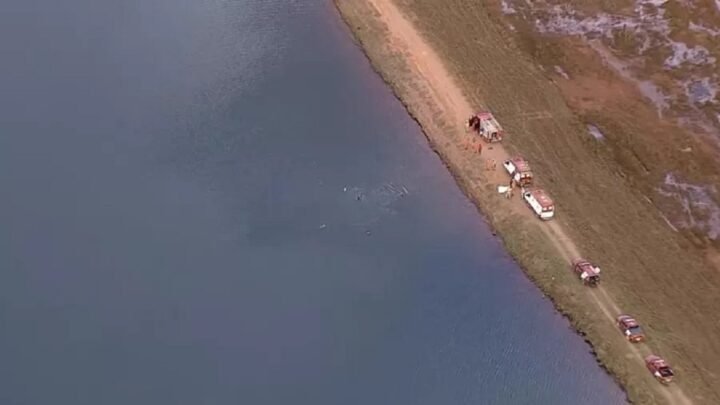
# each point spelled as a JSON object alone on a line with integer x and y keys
{"x": 540, "y": 203}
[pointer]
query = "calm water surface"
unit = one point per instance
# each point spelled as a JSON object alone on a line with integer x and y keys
{"x": 218, "y": 202}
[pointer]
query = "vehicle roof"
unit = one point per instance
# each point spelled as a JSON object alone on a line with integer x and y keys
{"x": 656, "y": 361}
{"x": 520, "y": 163}
{"x": 660, "y": 363}
{"x": 487, "y": 116}
{"x": 542, "y": 198}
{"x": 630, "y": 322}
{"x": 585, "y": 266}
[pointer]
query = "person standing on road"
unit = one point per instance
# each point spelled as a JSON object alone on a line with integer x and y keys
{"x": 474, "y": 123}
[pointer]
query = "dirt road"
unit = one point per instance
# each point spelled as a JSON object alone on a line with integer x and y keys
{"x": 450, "y": 106}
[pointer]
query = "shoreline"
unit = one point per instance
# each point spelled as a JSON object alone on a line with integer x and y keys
{"x": 542, "y": 250}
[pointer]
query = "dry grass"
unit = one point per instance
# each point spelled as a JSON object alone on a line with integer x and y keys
{"x": 645, "y": 146}
{"x": 653, "y": 273}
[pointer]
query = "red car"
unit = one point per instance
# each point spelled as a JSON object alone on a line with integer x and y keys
{"x": 630, "y": 328}
{"x": 659, "y": 369}
{"x": 589, "y": 274}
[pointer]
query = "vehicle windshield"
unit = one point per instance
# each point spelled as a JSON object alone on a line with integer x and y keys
{"x": 636, "y": 330}
{"x": 666, "y": 372}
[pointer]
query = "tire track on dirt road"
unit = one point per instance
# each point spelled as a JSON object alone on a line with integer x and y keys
{"x": 609, "y": 308}
{"x": 406, "y": 40}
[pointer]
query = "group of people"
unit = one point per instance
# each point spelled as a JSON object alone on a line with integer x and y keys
{"x": 474, "y": 124}
{"x": 490, "y": 164}
{"x": 475, "y": 144}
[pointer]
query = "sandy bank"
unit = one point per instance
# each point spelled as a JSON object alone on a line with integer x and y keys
{"x": 645, "y": 265}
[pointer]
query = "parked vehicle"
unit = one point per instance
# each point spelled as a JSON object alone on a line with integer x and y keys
{"x": 659, "y": 368}
{"x": 485, "y": 124}
{"x": 540, "y": 203}
{"x": 630, "y": 328}
{"x": 587, "y": 272}
{"x": 519, "y": 171}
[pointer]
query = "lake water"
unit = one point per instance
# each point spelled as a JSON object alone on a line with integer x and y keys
{"x": 219, "y": 202}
